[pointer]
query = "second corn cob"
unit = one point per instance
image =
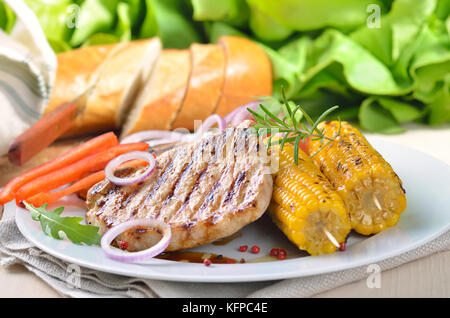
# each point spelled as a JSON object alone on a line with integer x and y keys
{"x": 305, "y": 207}
{"x": 370, "y": 188}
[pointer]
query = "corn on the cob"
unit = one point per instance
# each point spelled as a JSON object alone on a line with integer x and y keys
{"x": 304, "y": 205}
{"x": 370, "y": 188}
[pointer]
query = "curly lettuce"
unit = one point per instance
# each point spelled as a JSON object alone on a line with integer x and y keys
{"x": 386, "y": 62}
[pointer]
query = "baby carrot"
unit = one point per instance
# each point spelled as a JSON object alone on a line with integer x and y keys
{"x": 50, "y": 197}
{"x": 83, "y": 184}
{"x": 88, "y": 148}
{"x": 75, "y": 171}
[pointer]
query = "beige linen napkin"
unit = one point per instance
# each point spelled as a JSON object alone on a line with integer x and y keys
{"x": 27, "y": 72}
{"x": 15, "y": 249}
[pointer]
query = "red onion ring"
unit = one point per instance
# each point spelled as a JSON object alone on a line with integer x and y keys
{"x": 241, "y": 113}
{"x": 113, "y": 164}
{"x": 161, "y": 137}
{"x": 208, "y": 123}
{"x": 145, "y": 135}
{"x": 131, "y": 257}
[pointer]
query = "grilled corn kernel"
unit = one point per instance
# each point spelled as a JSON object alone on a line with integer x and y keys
{"x": 304, "y": 205}
{"x": 369, "y": 187}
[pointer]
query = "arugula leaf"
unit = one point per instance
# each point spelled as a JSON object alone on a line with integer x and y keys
{"x": 52, "y": 224}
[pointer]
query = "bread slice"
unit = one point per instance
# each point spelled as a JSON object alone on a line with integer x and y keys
{"x": 248, "y": 73}
{"x": 205, "y": 85}
{"x": 120, "y": 76}
{"x": 161, "y": 98}
{"x": 76, "y": 70}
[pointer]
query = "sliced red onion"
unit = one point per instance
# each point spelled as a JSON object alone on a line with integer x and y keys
{"x": 113, "y": 164}
{"x": 158, "y": 142}
{"x": 146, "y": 135}
{"x": 208, "y": 123}
{"x": 241, "y": 113}
{"x": 229, "y": 117}
{"x": 160, "y": 137}
{"x": 131, "y": 257}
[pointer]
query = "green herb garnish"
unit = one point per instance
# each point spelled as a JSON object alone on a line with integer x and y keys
{"x": 53, "y": 224}
{"x": 293, "y": 127}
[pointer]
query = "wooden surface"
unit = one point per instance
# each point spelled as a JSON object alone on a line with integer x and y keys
{"x": 426, "y": 277}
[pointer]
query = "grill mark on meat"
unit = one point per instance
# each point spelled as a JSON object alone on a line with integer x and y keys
{"x": 216, "y": 193}
{"x": 109, "y": 221}
{"x": 210, "y": 196}
{"x": 159, "y": 181}
{"x": 234, "y": 187}
{"x": 143, "y": 193}
{"x": 113, "y": 190}
{"x": 125, "y": 199}
{"x": 194, "y": 189}
{"x": 110, "y": 193}
{"x": 130, "y": 197}
{"x": 186, "y": 168}
{"x": 241, "y": 145}
{"x": 222, "y": 152}
{"x": 247, "y": 189}
{"x": 97, "y": 189}
{"x": 203, "y": 173}
{"x": 114, "y": 208}
{"x": 237, "y": 182}
{"x": 241, "y": 187}
{"x": 206, "y": 150}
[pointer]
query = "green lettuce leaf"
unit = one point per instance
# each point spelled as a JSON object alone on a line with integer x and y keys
{"x": 233, "y": 12}
{"x": 7, "y": 17}
{"x": 94, "y": 16}
{"x": 167, "y": 19}
{"x": 215, "y": 30}
{"x": 264, "y": 26}
{"x": 302, "y": 15}
{"x": 323, "y": 52}
{"x": 440, "y": 107}
{"x": 124, "y": 23}
{"x": 54, "y": 17}
{"x": 101, "y": 38}
{"x": 361, "y": 70}
{"x": 373, "y": 117}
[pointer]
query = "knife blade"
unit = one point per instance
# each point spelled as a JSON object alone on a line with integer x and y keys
{"x": 46, "y": 130}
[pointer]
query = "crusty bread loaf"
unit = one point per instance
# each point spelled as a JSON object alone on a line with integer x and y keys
{"x": 133, "y": 65}
{"x": 76, "y": 70}
{"x": 205, "y": 85}
{"x": 161, "y": 98}
{"x": 138, "y": 86}
{"x": 119, "y": 76}
{"x": 248, "y": 73}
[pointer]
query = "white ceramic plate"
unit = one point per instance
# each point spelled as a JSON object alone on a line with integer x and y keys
{"x": 427, "y": 184}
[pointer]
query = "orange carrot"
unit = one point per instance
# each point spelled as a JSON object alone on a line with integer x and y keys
{"x": 75, "y": 171}
{"x": 50, "y": 197}
{"x": 88, "y": 148}
{"x": 83, "y": 184}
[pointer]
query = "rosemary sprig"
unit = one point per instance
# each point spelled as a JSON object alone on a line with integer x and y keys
{"x": 291, "y": 126}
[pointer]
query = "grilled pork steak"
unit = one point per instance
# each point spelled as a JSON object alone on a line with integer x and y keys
{"x": 205, "y": 190}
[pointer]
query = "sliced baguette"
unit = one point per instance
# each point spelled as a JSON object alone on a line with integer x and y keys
{"x": 205, "y": 85}
{"x": 76, "y": 70}
{"x": 248, "y": 73}
{"x": 120, "y": 76}
{"x": 161, "y": 98}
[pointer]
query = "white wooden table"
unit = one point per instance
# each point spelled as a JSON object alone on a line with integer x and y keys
{"x": 426, "y": 277}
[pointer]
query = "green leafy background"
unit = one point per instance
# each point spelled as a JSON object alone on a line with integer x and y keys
{"x": 323, "y": 52}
